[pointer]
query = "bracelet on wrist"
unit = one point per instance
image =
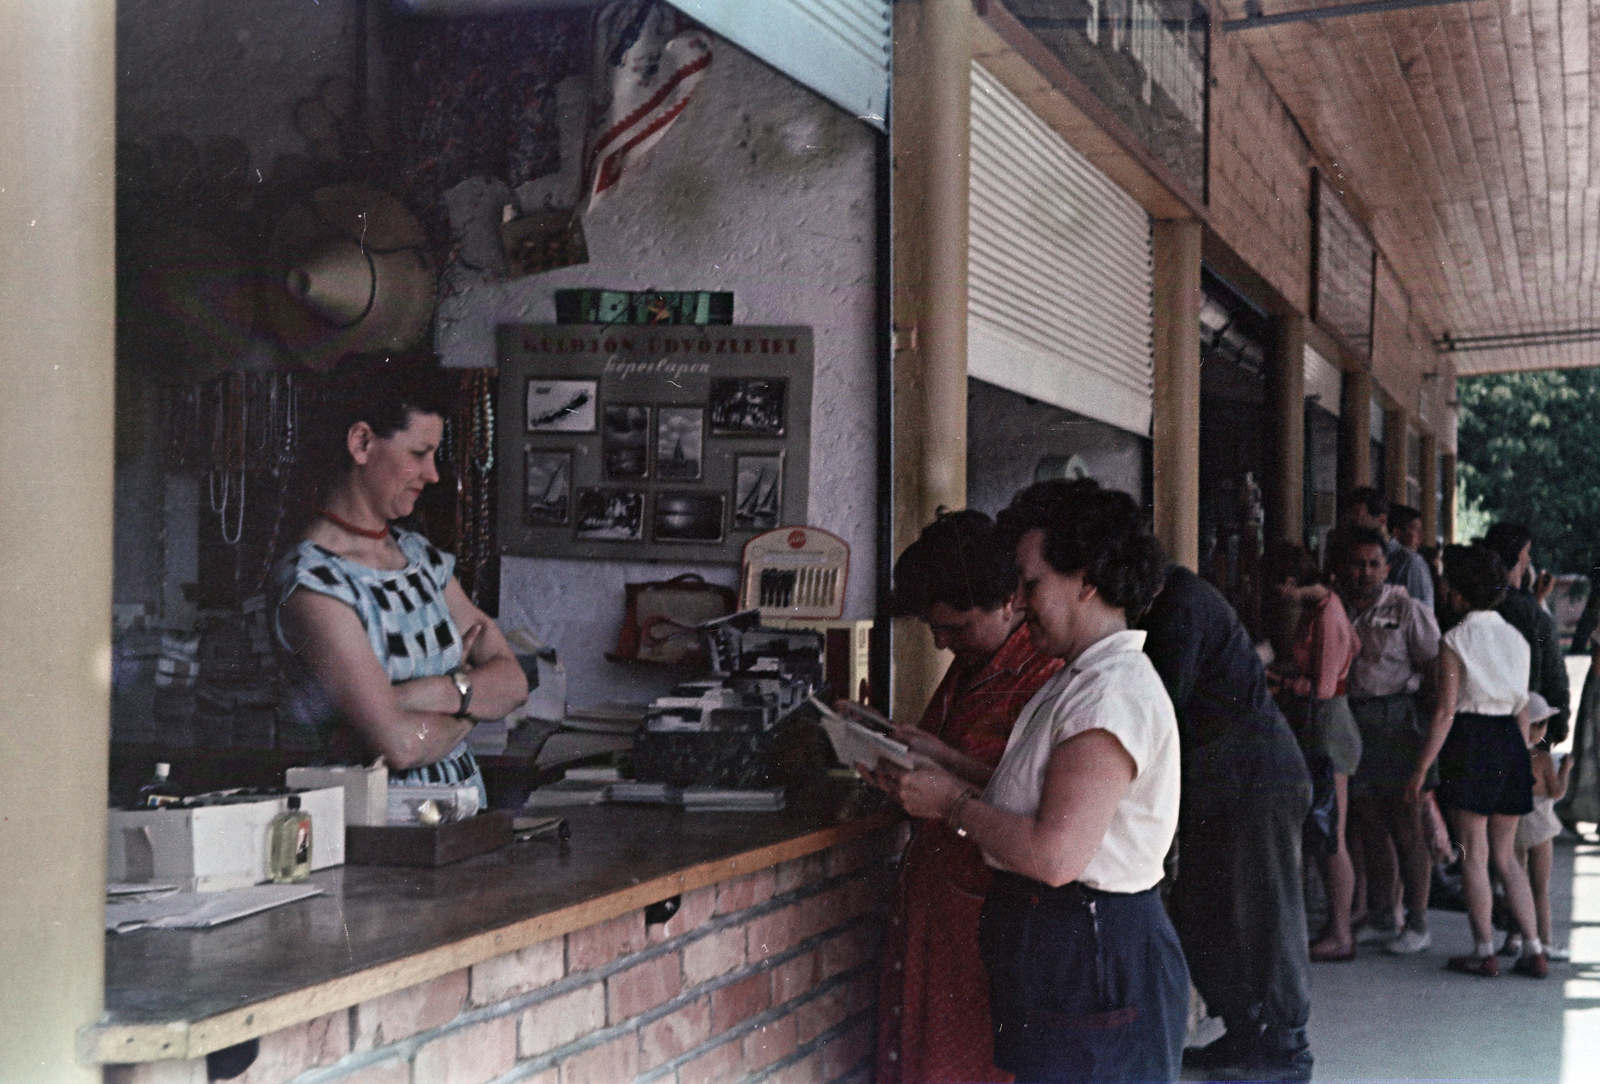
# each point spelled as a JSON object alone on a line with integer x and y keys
{"x": 953, "y": 817}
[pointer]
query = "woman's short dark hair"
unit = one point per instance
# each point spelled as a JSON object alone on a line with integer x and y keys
{"x": 386, "y": 392}
{"x": 1507, "y": 539}
{"x": 1101, "y": 532}
{"x": 1476, "y": 574}
{"x": 1285, "y": 560}
{"x": 381, "y": 391}
{"x": 956, "y": 561}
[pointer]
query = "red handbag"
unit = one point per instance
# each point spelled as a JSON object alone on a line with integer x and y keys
{"x": 658, "y": 624}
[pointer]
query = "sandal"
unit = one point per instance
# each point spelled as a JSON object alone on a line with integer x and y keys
{"x": 1487, "y": 967}
{"x": 1328, "y": 954}
{"x": 1534, "y": 965}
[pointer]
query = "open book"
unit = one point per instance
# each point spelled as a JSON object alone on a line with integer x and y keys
{"x": 855, "y": 744}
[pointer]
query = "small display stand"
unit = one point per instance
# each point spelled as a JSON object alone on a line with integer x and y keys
{"x": 795, "y": 573}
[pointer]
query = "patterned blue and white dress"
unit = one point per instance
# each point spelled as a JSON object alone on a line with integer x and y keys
{"x": 408, "y": 624}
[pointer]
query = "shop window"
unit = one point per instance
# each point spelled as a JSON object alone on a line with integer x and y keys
{"x": 1057, "y": 444}
{"x": 1235, "y": 456}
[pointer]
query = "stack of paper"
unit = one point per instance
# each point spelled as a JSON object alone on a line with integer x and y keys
{"x": 199, "y": 910}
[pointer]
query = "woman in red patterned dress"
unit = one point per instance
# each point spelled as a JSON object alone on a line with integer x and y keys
{"x": 933, "y": 1006}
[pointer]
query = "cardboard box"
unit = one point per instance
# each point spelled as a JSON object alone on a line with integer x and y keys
{"x": 366, "y": 789}
{"x": 219, "y": 847}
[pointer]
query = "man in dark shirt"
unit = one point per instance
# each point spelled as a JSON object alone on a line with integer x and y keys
{"x": 1547, "y": 674}
{"x": 1237, "y": 903}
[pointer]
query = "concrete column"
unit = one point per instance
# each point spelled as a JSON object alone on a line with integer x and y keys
{"x": 1355, "y": 433}
{"x": 56, "y": 357}
{"x": 1396, "y": 455}
{"x": 1447, "y": 514}
{"x": 1430, "y": 489}
{"x": 930, "y": 125}
{"x": 1286, "y": 511}
{"x": 1175, "y": 428}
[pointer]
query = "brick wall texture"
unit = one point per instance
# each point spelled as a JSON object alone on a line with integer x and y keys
{"x": 770, "y": 977}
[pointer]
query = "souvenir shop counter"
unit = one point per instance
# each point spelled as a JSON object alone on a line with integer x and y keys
{"x": 378, "y": 931}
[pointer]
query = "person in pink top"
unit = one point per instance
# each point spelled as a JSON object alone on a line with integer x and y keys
{"x": 1308, "y": 676}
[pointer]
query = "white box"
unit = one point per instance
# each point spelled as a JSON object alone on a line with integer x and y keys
{"x": 218, "y": 847}
{"x": 366, "y": 789}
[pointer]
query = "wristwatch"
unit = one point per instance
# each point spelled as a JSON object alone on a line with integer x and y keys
{"x": 464, "y": 687}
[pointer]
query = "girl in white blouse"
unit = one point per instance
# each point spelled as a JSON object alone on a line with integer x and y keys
{"x": 1479, "y": 735}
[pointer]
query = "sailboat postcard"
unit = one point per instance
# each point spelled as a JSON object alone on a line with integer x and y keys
{"x": 549, "y": 478}
{"x": 758, "y": 492}
{"x": 680, "y": 442}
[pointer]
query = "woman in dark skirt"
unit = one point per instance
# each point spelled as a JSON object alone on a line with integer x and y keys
{"x": 1086, "y": 979}
{"x": 1480, "y": 737}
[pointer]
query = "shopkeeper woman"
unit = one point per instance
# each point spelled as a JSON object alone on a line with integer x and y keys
{"x": 1086, "y": 979}
{"x": 390, "y": 657}
{"x": 933, "y": 1007}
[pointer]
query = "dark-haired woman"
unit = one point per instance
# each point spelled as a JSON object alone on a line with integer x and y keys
{"x": 389, "y": 656}
{"x": 1086, "y": 979}
{"x": 1479, "y": 735}
{"x": 933, "y": 1006}
{"x": 1308, "y": 680}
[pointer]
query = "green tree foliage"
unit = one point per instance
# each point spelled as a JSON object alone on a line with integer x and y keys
{"x": 1529, "y": 450}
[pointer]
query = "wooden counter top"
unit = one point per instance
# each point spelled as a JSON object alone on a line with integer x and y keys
{"x": 174, "y": 994}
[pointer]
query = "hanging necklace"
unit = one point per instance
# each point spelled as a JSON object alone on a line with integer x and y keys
{"x": 372, "y": 533}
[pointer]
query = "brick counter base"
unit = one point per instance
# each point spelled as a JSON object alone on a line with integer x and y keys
{"x": 771, "y": 977}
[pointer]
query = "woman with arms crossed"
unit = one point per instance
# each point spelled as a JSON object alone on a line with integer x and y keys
{"x": 390, "y": 656}
{"x": 1086, "y": 979}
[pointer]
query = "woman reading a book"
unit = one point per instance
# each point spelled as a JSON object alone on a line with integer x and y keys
{"x": 1086, "y": 978}
{"x": 933, "y": 1016}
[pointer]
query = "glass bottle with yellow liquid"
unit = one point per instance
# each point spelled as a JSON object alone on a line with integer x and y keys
{"x": 289, "y": 844}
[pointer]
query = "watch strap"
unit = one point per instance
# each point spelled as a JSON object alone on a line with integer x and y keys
{"x": 464, "y": 687}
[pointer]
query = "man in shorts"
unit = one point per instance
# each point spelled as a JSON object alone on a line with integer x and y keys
{"x": 1399, "y": 643}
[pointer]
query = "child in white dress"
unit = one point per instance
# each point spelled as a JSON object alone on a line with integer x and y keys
{"x": 1537, "y": 830}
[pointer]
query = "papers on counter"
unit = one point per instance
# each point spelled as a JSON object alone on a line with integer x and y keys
{"x": 199, "y": 910}
{"x": 713, "y": 799}
{"x": 592, "y": 791}
{"x": 609, "y": 718}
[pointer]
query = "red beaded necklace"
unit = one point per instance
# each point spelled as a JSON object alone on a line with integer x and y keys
{"x": 374, "y": 534}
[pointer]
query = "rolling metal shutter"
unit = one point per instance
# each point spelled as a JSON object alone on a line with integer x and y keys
{"x": 1059, "y": 274}
{"x": 838, "y": 48}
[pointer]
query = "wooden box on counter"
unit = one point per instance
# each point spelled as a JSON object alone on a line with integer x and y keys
{"x": 423, "y": 845}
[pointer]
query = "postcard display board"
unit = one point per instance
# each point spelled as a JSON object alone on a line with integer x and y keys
{"x": 639, "y": 443}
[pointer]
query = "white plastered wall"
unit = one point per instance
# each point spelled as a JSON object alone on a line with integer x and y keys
{"x": 761, "y": 188}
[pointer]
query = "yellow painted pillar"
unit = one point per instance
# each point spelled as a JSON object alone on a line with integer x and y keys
{"x": 930, "y": 126}
{"x": 1175, "y": 427}
{"x": 1430, "y": 489}
{"x": 1355, "y": 434}
{"x": 57, "y": 133}
{"x": 1286, "y": 513}
{"x": 1396, "y": 455}
{"x": 1447, "y": 514}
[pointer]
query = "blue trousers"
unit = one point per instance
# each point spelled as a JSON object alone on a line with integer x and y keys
{"x": 1083, "y": 985}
